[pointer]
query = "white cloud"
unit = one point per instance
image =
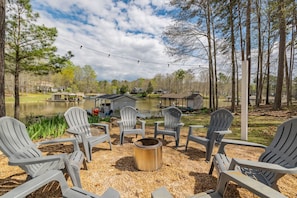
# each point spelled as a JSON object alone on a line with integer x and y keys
{"x": 128, "y": 32}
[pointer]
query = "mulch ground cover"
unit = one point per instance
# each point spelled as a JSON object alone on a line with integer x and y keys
{"x": 183, "y": 173}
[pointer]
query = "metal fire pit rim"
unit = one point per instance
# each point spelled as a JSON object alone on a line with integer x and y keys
{"x": 159, "y": 143}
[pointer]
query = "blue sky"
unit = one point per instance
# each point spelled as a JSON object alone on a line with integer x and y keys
{"x": 119, "y": 39}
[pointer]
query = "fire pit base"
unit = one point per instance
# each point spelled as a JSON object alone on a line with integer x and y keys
{"x": 148, "y": 154}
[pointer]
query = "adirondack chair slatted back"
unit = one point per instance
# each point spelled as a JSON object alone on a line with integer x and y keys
{"x": 220, "y": 120}
{"x": 172, "y": 117}
{"x": 129, "y": 117}
{"x": 282, "y": 150}
{"x": 77, "y": 118}
{"x": 15, "y": 143}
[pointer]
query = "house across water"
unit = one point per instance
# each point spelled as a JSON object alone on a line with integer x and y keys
{"x": 112, "y": 103}
{"x": 186, "y": 102}
{"x": 66, "y": 97}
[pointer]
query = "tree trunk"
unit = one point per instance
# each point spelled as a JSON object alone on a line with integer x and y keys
{"x": 260, "y": 58}
{"x": 241, "y": 48}
{"x": 2, "y": 62}
{"x": 17, "y": 92}
{"x": 281, "y": 56}
{"x": 211, "y": 72}
{"x": 232, "y": 56}
{"x": 215, "y": 67}
{"x": 268, "y": 60}
{"x": 248, "y": 44}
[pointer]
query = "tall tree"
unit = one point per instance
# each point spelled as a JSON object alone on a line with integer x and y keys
{"x": 248, "y": 44}
{"x": 89, "y": 81}
{"x": 231, "y": 22}
{"x": 281, "y": 54}
{"x": 186, "y": 37}
{"x": 29, "y": 46}
{"x": 150, "y": 88}
{"x": 2, "y": 52}
{"x": 259, "y": 80}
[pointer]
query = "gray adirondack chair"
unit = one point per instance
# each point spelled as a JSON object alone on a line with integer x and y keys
{"x": 16, "y": 144}
{"x": 31, "y": 186}
{"x": 278, "y": 159}
{"x": 129, "y": 123}
{"x": 220, "y": 121}
{"x": 244, "y": 181}
{"x": 171, "y": 125}
{"x": 79, "y": 126}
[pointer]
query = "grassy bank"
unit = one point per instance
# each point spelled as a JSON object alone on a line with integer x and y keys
{"x": 28, "y": 98}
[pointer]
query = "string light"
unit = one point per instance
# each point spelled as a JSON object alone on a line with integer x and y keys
{"x": 128, "y": 58}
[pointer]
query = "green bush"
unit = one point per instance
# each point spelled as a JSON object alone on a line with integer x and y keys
{"x": 46, "y": 127}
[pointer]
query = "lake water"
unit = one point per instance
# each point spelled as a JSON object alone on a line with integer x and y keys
{"x": 53, "y": 108}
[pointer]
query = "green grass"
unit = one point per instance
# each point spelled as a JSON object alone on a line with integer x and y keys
{"x": 29, "y": 98}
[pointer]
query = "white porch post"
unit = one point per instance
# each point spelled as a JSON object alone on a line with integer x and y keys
{"x": 244, "y": 101}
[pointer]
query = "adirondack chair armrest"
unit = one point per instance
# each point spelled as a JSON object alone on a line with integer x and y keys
{"x": 223, "y": 132}
{"x": 180, "y": 124}
{"x": 262, "y": 166}
{"x": 196, "y": 126}
{"x": 225, "y": 142}
{"x": 74, "y": 131}
{"x": 246, "y": 182}
{"x": 120, "y": 122}
{"x": 158, "y": 122}
{"x": 105, "y": 126}
{"x": 191, "y": 127}
{"x": 28, "y": 161}
{"x": 142, "y": 122}
{"x": 55, "y": 141}
{"x": 54, "y": 175}
{"x": 99, "y": 125}
{"x": 34, "y": 184}
{"x": 216, "y": 134}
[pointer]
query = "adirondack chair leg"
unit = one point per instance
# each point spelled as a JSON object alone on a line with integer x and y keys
{"x": 121, "y": 139}
{"x": 189, "y": 133}
{"x": 110, "y": 144}
{"x": 28, "y": 178}
{"x": 211, "y": 169}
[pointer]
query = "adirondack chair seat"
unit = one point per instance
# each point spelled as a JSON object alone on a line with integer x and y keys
{"x": 220, "y": 122}
{"x": 278, "y": 159}
{"x": 240, "y": 179}
{"x": 74, "y": 192}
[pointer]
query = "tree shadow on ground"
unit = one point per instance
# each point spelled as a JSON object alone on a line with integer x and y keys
{"x": 127, "y": 139}
{"x": 9, "y": 183}
{"x": 194, "y": 153}
{"x": 51, "y": 189}
{"x": 205, "y": 182}
{"x": 126, "y": 164}
{"x": 52, "y": 149}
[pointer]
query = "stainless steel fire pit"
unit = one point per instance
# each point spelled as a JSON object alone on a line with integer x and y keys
{"x": 148, "y": 154}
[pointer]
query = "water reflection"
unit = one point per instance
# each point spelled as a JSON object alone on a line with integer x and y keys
{"x": 53, "y": 108}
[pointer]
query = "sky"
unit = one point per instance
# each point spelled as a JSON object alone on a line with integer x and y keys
{"x": 120, "y": 39}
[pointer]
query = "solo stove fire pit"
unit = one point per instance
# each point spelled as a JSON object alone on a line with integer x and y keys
{"x": 148, "y": 154}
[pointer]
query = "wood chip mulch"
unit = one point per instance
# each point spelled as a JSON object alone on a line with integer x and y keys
{"x": 183, "y": 173}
